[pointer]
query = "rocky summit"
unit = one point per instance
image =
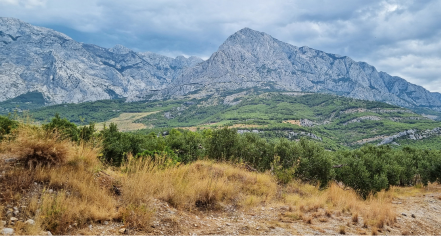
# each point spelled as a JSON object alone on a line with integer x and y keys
{"x": 250, "y": 58}
{"x": 65, "y": 71}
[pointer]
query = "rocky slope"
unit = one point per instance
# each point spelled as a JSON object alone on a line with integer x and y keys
{"x": 250, "y": 58}
{"x": 65, "y": 71}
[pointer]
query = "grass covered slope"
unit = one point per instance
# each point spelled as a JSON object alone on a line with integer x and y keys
{"x": 337, "y": 122}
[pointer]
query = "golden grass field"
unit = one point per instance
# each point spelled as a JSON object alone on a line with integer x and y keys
{"x": 126, "y": 121}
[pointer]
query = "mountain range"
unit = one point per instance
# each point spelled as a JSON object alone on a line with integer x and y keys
{"x": 37, "y": 59}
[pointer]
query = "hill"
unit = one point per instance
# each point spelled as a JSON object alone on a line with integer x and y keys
{"x": 335, "y": 121}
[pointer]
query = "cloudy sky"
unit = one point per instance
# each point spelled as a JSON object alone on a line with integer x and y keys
{"x": 402, "y": 38}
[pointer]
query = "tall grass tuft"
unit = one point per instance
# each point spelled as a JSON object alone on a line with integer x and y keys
{"x": 201, "y": 184}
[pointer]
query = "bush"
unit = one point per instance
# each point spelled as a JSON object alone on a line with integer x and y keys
{"x": 371, "y": 169}
{"x": 67, "y": 130}
{"x": 315, "y": 163}
{"x": 223, "y": 144}
{"x": 116, "y": 145}
{"x": 6, "y": 126}
{"x": 37, "y": 147}
{"x": 255, "y": 151}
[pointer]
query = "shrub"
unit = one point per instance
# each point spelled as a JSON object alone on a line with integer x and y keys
{"x": 66, "y": 129}
{"x": 315, "y": 163}
{"x": 37, "y": 147}
{"x": 223, "y": 144}
{"x": 116, "y": 145}
{"x": 6, "y": 126}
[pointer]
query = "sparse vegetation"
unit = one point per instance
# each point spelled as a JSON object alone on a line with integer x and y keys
{"x": 69, "y": 178}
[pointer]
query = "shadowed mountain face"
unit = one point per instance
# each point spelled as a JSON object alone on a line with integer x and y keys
{"x": 63, "y": 70}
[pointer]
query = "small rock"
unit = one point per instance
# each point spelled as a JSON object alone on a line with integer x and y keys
{"x": 48, "y": 233}
{"x": 413, "y": 216}
{"x": 13, "y": 219}
{"x": 90, "y": 227}
{"x": 106, "y": 222}
{"x": 16, "y": 213}
{"x": 15, "y": 208}
{"x": 9, "y": 160}
{"x": 228, "y": 224}
{"x": 122, "y": 230}
{"x": 403, "y": 214}
{"x": 51, "y": 191}
{"x": 30, "y": 221}
{"x": 7, "y": 231}
{"x": 195, "y": 225}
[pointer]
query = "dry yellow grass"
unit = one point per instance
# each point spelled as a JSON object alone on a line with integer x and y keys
{"x": 33, "y": 145}
{"x": 293, "y": 122}
{"x": 81, "y": 193}
{"x": 200, "y": 184}
{"x": 68, "y": 169}
{"x": 376, "y": 210}
{"x": 126, "y": 121}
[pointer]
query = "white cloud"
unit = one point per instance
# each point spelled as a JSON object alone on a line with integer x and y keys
{"x": 24, "y": 3}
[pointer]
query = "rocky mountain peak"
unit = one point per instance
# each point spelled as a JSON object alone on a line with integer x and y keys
{"x": 246, "y": 38}
{"x": 14, "y": 29}
{"x": 120, "y": 49}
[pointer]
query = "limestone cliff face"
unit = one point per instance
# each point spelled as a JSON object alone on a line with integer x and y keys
{"x": 249, "y": 58}
{"x": 65, "y": 71}
{"x": 39, "y": 59}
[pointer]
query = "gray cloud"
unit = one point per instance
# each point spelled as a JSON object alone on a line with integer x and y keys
{"x": 400, "y": 37}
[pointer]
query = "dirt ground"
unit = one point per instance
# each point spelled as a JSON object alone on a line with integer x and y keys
{"x": 416, "y": 215}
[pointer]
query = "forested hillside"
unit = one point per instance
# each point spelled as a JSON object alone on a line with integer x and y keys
{"x": 336, "y": 122}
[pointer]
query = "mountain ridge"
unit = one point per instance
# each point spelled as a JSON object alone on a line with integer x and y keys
{"x": 38, "y": 59}
{"x": 250, "y": 58}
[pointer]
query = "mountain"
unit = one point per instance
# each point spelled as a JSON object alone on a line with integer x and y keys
{"x": 250, "y": 58}
{"x": 36, "y": 59}
{"x": 39, "y": 60}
